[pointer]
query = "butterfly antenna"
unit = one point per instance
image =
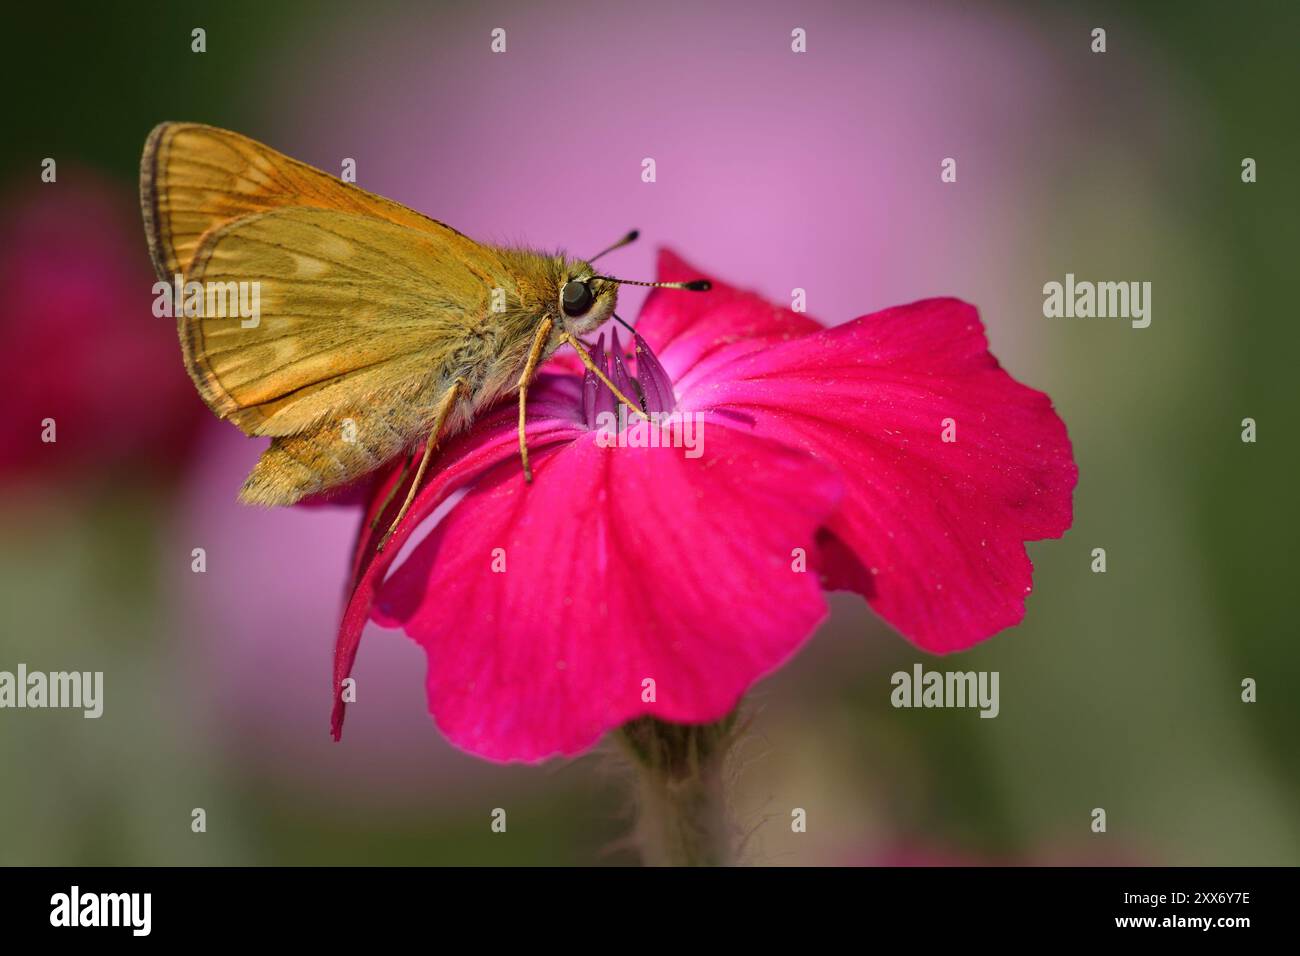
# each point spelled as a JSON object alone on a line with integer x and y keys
{"x": 619, "y": 320}
{"x": 630, "y": 238}
{"x": 695, "y": 285}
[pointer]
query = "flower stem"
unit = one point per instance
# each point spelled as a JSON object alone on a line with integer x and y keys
{"x": 683, "y": 818}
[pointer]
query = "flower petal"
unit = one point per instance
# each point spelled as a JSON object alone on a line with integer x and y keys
{"x": 554, "y": 416}
{"x": 621, "y": 565}
{"x": 931, "y": 532}
{"x": 687, "y": 328}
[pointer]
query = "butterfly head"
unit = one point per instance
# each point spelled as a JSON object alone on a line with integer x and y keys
{"x": 586, "y": 300}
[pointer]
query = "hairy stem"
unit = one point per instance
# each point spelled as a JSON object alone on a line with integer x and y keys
{"x": 683, "y": 818}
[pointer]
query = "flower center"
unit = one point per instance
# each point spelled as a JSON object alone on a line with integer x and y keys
{"x": 650, "y": 385}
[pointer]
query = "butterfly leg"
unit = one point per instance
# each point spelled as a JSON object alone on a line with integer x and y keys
{"x": 440, "y": 418}
{"x": 576, "y": 342}
{"x": 530, "y": 368}
{"x": 392, "y": 492}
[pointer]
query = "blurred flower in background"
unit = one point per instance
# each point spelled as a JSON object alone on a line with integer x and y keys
{"x": 79, "y": 345}
{"x": 84, "y": 362}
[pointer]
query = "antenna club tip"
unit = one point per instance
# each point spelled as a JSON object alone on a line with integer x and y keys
{"x": 633, "y": 236}
{"x": 698, "y": 285}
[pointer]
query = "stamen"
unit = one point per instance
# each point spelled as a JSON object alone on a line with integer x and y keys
{"x": 655, "y": 383}
{"x": 618, "y": 372}
{"x": 651, "y": 384}
{"x": 596, "y": 398}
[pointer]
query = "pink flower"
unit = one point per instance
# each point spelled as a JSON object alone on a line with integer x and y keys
{"x": 545, "y": 610}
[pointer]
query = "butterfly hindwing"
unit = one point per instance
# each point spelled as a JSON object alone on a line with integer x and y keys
{"x": 352, "y": 312}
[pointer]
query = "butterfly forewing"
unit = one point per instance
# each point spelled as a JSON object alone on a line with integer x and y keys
{"x": 195, "y": 177}
{"x": 354, "y": 311}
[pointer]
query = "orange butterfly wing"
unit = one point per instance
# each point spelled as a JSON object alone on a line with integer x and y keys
{"x": 194, "y": 178}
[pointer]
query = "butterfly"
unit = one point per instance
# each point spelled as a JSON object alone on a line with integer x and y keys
{"x": 377, "y": 329}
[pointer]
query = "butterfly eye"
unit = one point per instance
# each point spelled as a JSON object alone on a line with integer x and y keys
{"x": 576, "y": 298}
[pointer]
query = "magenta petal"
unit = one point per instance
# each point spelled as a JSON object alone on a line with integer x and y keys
{"x": 553, "y": 417}
{"x": 686, "y": 328}
{"x": 931, "y": 532}
{"x": 621, "y": 565}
